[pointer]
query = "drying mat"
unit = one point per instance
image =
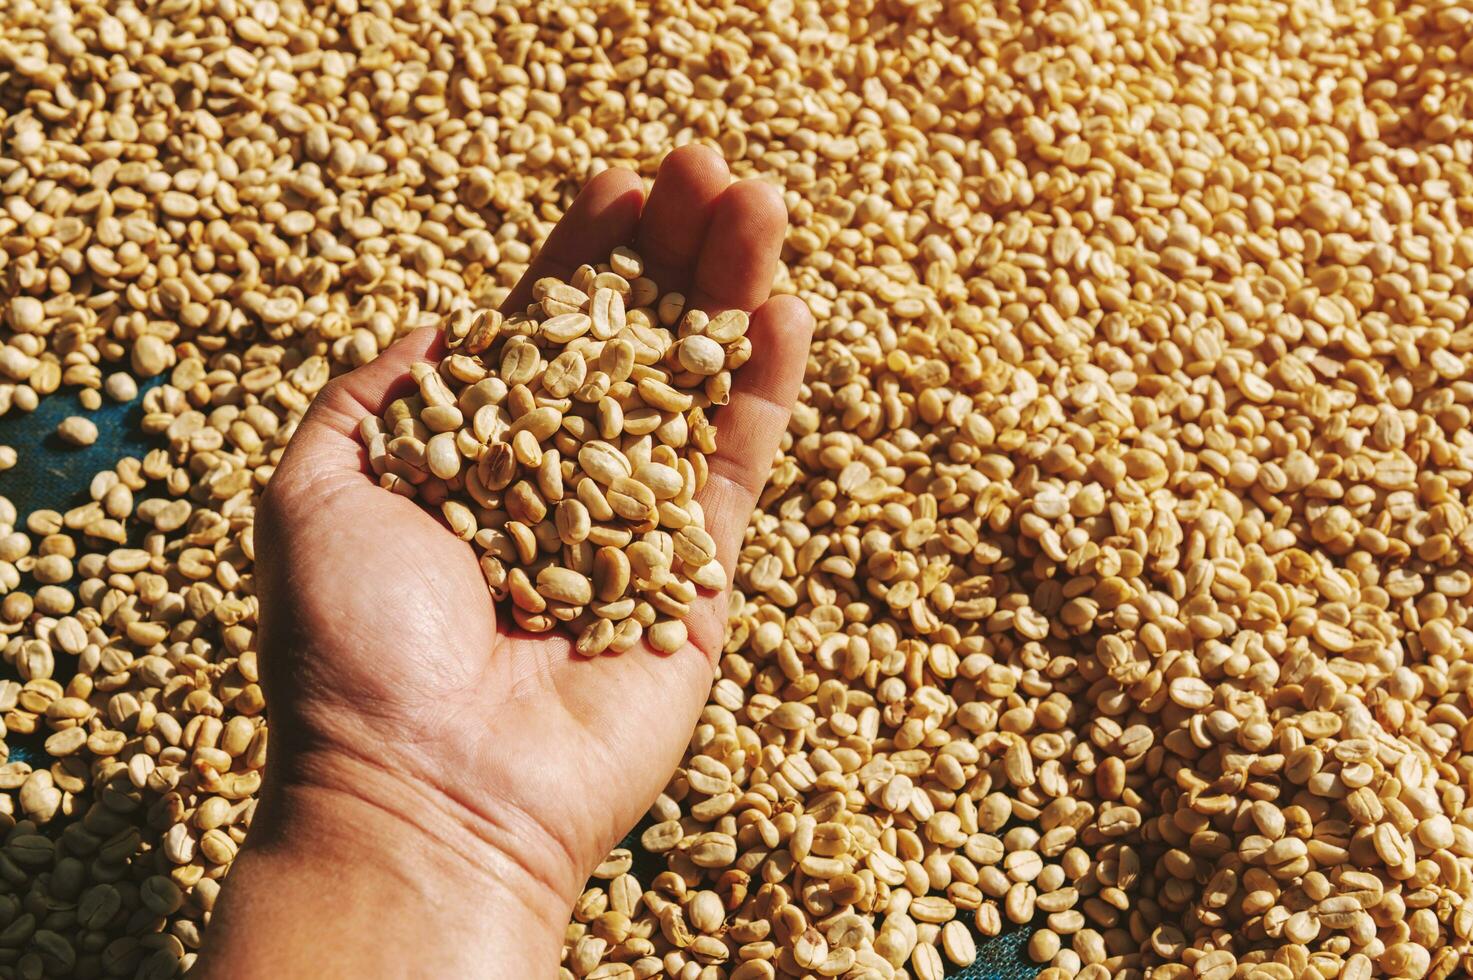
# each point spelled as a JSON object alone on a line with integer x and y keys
{"x": 54, "y": 475}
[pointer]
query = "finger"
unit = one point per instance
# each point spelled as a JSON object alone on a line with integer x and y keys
{"x": 750, "y": 427}
{"x": 325, "y": 451}
{"x": 742, "y": 248}
{"x": 324, "y": 456}
{"x": 344, "y": 400}
{"x": 678, "y": 213}
{"x": 749, "y": 430}
{"x": 604, "y": 215}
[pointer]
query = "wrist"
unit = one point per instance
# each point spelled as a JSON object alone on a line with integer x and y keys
{"x": 375, "y": 881}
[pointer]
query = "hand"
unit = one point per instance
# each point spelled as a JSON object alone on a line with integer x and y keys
{"x": 425, "y": 753}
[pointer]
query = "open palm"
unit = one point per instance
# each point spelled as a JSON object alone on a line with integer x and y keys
{"x": 386, "y": 663}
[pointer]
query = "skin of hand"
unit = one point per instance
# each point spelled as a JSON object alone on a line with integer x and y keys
{"x": 440, "y": 784}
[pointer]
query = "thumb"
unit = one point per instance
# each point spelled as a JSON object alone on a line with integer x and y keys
{"x": 344, "y": 400}
{"x": 324, "y": 454}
